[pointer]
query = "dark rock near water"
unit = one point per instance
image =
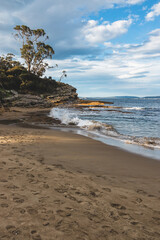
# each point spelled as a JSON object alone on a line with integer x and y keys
{"x": 62, "y": 93}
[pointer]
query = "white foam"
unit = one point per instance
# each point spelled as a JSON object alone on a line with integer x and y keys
{"x": 70, "y": 116}
{"x": 67, "y": 116}
{"x": 133, "y": 108}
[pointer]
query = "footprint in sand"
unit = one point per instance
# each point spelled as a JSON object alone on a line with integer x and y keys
{"x": 61, "y": 189}
{"x": 125, "y": 216}
{"x": 66, "y": 226}
{"x": 113, "y": 232}
{"x": 117, "y": 206}
{"x": 107, "y": 189}
{"x": 57, "y": 201}
{"x": 36, "y": 237}
{"x": 12, "y": 186}
{"x": 31, "y": 210}
{"x": 45, "y": 224}
{"x": 63, "y": 213}
{"x": 22, "y": 211}
{"x": 138, "y": 200}
{"x": 114, "y": 216}
{"x": 123, "y": 197}
{"x": 33, "y": 231}
{"x": 13, "y": 230}
{"x": 18, "y": 200}
{"x": 4, "y": 205}
{"x": 156, "y": 220}
{"x": 2, "y": 196}
{"x": 3, "y": 180}
{"x": 46, "y": 186}
{"x": 151, "y": 195}
{"x": 140, "y": 191}
{"x": 35, "y": 192}
{"x": 60, "y": 166}
{"x": 134, "y": 223}
{"x": 47, "y": 169}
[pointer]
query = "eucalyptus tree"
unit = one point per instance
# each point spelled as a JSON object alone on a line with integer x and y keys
{"x": 34, "y": 50}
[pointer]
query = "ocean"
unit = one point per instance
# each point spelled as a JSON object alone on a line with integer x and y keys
{"x": 129, "y": 123}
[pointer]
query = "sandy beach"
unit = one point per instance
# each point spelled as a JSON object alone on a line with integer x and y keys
{"x": 59, "y": 185}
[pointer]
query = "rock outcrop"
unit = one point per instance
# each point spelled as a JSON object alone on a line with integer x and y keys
{"x": 28, "y": 101}
{"x": 64, "y": 92}
{"x": 61, "y": 94}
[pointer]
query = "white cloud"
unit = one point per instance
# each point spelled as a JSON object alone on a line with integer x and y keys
{"x": 99, "y": 33}
{"x": 5, "y": 18}
{"x": 155, "y": 11}
{"x": 149, "y": 47}
{"x": 136, "y": 67}
{"x": 8, "y": 43}
{"x": 116, "y": 73}
{"x": 63, "y": 20}
{"x": 135, "y": 1}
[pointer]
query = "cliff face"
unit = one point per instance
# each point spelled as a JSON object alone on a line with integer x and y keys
{"x": 27, "y": 89}
{"x": 61, "y": 93}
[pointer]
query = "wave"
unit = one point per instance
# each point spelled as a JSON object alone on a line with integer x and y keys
{"x": 133, "y": 108}
{"x": 145, "y": 142}
{"x": 71, "y": 117}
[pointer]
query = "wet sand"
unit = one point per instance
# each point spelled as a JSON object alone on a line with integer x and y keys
{"x": 56, "y": 185}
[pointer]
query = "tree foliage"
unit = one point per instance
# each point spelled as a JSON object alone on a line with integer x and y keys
{"x": 14, "y": 76}
{"x": 7, "y": 62}
{"x": 34, "y": 50}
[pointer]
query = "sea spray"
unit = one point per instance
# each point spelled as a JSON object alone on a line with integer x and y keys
{"x": 72, "y": 117}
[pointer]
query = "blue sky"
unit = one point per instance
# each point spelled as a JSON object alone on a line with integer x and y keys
{"x": 107, "y": 47}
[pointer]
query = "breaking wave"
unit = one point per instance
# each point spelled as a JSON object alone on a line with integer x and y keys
{"x": 70, "y": 117}
{"x": 133, "y": 108}
{"x": 73, "y": 117}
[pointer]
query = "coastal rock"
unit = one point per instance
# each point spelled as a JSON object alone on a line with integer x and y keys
{"x": 28, "y": 100}
{"x": 61, "y": 94}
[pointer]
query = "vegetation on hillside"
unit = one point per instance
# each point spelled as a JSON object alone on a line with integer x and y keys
{"x": 27, "y": 78}
{"x": 14, "y": 76}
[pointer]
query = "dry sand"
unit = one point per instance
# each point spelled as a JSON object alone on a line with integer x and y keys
{"x": 56, "y": 185}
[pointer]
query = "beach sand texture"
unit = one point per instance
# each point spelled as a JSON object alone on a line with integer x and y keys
{"x": 56, "y": 185}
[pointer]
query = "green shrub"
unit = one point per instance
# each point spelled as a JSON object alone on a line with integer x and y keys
{"x": 10, "y": 82}
{"x": 16, "y": 71}
{"x": 17, "y": 78}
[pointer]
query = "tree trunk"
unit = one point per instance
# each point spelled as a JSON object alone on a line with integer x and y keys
{"x": 29, "y": 67}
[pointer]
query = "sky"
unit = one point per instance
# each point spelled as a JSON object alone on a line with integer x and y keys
{"x": 108, "y": 47}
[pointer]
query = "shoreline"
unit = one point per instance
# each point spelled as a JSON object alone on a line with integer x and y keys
{"x": 115, "y": 142}
{"x": 39, "y": 118}
{"x": 106, "y": 132}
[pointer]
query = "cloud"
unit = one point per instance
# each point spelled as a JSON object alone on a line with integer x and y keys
{"x": 99, "y": 33}
{"x": 12, "y": 5}
{"x": 132, "y": 2}
{"x": 116, "y": 74}
{"x": 155, "y": 11}
{"x": 147, "y": 49}
{"x": 134, "y": 68}
{"x": 150, "y": 47}
{"x": 62, "y": 20}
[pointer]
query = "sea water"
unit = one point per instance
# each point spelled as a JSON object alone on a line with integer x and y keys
{"x": 128, "y": 121}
